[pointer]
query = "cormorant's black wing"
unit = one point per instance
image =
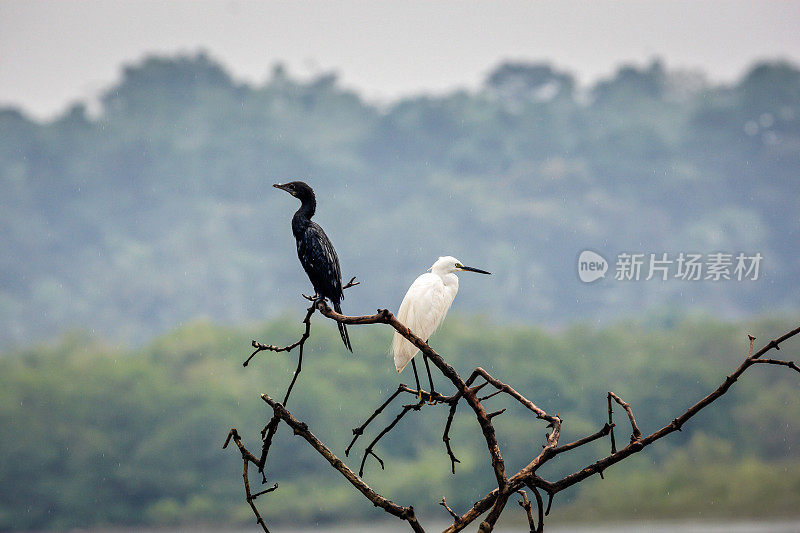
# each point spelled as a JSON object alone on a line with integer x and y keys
{"x": 320, "y": 262}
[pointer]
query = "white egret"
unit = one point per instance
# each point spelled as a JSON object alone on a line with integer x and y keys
{"x": 424, "y": 307}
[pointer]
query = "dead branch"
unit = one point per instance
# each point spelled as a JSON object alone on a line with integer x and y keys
{"x": 790, "y": 364}
{"x": 369, "y": 450}
{"x": 251, "y": 499}
{"x": 443, "y": 503}
{"x": 526, "y": 505}
{"x": 611, "y": 425}
{"x": 246, "y": 455}
{"x": 625, "y": 405}
{"x": 540, "y": 508}
{"x": 605, "y": 430}
{"x": 495, "y": 501}
{"x": 300, "y": 342}
{"x": 268, "y": 433}
{"x": 446, "y": 436}
{"x": 351, "y": 283}
{"x": 301, "y": 429}
{"x": 423, "y": 396}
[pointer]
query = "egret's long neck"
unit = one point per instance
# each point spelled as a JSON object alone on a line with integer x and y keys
{"x": 450, "y": 280}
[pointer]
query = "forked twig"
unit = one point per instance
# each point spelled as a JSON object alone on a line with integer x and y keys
{"x": 636, "y": 434}
{"x": 369, "y": 449}
{"x": 452, "y": 513}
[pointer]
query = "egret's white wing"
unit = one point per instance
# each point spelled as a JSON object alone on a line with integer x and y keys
{"x": 422, "y": 311}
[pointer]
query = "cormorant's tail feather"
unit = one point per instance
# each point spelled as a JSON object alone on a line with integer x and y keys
{"x": 342, "y": 328}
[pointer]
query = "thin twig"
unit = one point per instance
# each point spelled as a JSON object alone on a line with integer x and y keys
{"x": 443, "y": 503}
{"x": 265, "y": 491}
{"x": 357, "y": 432}
{"x": 422, "y": 395}
{"x": 526, "y": 504}
{"x": 605, "y": 430}
{"x": 495, "y": 393}
{"x": 369, "y": 449}
{"x": 790, "y": 364}
{"x": 268, "y": 433}
{"x": 540, "y": 508}
{"x": 259, "y": 347}
{"x": 351, "y": 283}
{"x": 611, "y": 425}
{"x": 233, "y": 434}
{"x": 446, "y": 436}
{"x": 251, "y": 499}
{"x": 625, "y": 405}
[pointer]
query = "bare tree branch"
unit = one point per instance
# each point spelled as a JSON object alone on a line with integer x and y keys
{"x": 351, "y": 283}
{"x": 251, "y": 499}
{"x": 443, "y": 503}
{"x": 268, "y": 433}
{"x": 611, "y": 425}
{"x": 446, "y": 436}
{"x": 625, "y": 405}
{"x": 526, "y": 505}
{"x": 272, "y": 348}
{"x": 495, "y": 501}
{"x": 605, "y": 430}
{"x": 369, "y": 451}
{"x": 246, "y": 455}
{"x": 790, "y": 364}
{"x": 301, "y": 429}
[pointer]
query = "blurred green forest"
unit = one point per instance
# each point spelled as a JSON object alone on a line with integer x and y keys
{"x": 156, "y": 207}
{"x": 95, "y": 434}
{"x": 154, "y": 210}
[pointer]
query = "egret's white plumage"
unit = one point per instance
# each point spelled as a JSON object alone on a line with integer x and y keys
{"x": 425, "y": 305}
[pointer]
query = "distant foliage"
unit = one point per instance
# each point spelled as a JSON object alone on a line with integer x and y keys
{"x": 91, "y": 434}
{"x": 159, "y": 208}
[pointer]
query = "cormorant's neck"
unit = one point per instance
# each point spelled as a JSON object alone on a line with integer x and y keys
{"x": 307, "y": 209}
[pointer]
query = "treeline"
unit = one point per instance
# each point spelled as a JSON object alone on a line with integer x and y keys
{"x": 94, "y": 434}
{"x": 157, "y": 207}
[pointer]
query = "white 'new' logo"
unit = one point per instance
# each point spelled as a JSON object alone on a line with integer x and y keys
{"x": 591, "y": 266}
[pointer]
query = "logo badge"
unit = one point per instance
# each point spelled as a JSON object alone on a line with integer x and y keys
{"x": 591, "y": 266}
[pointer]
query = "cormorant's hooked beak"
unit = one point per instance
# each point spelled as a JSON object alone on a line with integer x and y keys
{"x": 284, "y": 187}
{"x": 471, "y": 269}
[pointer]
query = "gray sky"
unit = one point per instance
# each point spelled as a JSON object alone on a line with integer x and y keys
{"x": 56, "y": 52}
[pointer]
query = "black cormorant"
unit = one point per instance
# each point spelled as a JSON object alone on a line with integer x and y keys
{"x": 315, "y": 250}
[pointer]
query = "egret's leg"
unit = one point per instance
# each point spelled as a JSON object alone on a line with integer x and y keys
{"x": 430, "y": 379}
{"x": 416, "y": 377}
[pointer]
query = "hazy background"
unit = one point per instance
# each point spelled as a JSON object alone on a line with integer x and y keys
{"x": 143, "y": 245}
{"x": 56, "y": 52}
